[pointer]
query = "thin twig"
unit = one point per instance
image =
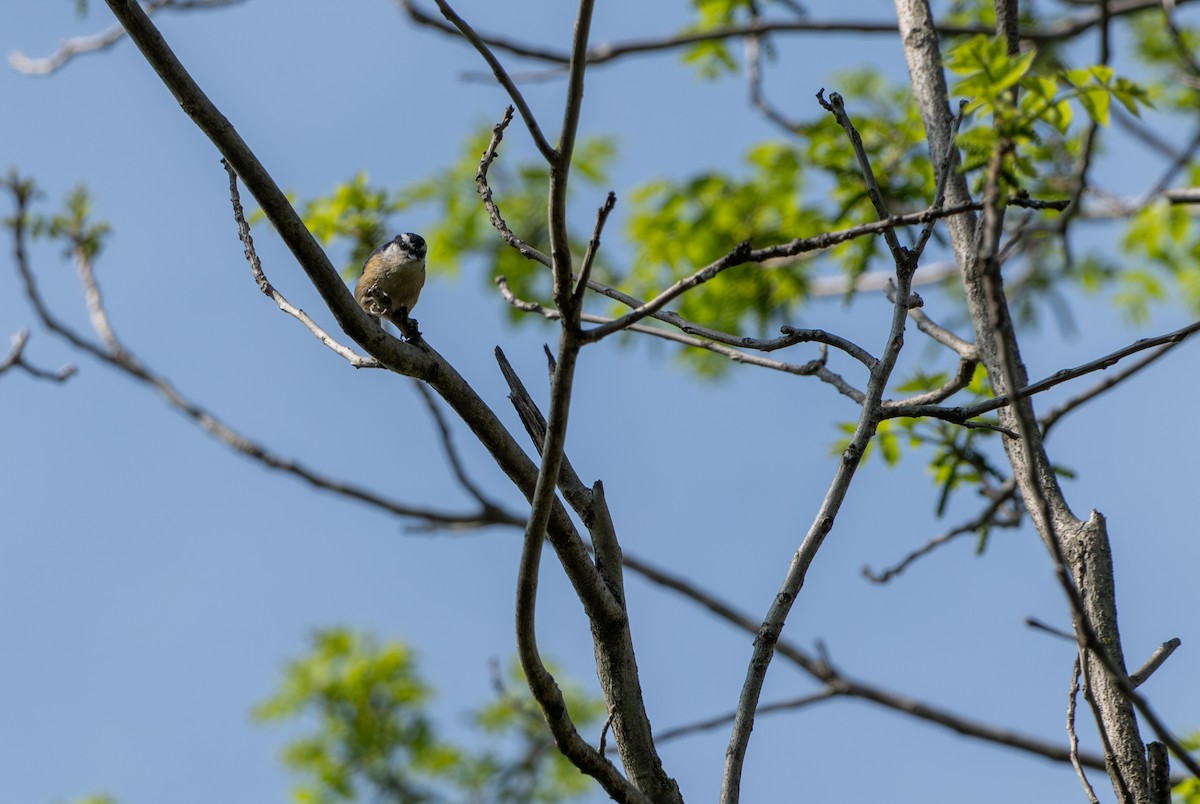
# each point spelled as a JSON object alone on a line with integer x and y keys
{"x": 348, "y": 354}
{"x": 743, "y": 254}
{"x": 1062, "y": 375}
{"x": 948, "y": 163}
{"x": 791, "y": 337}
{"x": 603, "y": 53}
{"x": 15, "y": 359}
{"x": 1073, "y": 738}
{"x": 960, "y": 380}
{"x": 451, "y": 452}
{"x": 1046, "y": 628}
{"x": 849, "y": 687}
{"x": 735, "y": 355}
{"x": 118, "y": 356}
{"x": 589, "y": 256}
{"x": 502, "y": 77}
{"x": 754, "y": 82}
{"x": 837, "y": 107}
{"x": 1054, "y": 415}
{"x": 489, "y": 202}
{"x": 768, "y": 634}
{"x": 79, "y": 45}
{"x": 985, "y": 518}
{"x": 775, "y": 707}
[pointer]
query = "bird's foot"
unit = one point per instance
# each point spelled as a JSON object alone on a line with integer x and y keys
{"x": 407, "y": 326}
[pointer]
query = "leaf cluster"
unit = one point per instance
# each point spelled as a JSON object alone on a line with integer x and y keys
{"x": 374, "y": 738}
{"x": 786, "y": 190}
{"x": 1164, "y": 241}
{"x": 1021, "y": 102}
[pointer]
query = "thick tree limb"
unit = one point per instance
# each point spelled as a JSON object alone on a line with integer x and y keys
{"x": 411, "y": 360}
{"x": 1082, "y": 545}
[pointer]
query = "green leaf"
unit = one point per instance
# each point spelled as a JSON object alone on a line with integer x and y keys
{"x": 373, "y": 737}
{"x": 1095, "y": 100}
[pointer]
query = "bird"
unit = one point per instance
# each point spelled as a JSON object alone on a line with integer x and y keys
{"x": 391, "y": 282}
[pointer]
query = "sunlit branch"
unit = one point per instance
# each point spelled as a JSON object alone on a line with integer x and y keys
{"x": 80, "y": 45}
{"x": 15, "y": 359}
{"x": 264, "y": 284}
{"x": 1155, "y": 661}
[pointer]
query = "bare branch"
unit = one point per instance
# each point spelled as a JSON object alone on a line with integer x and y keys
{"x": 80, "y": 45}
{"x": 1087, "y": 541}
{"x": 489, "y": 203}
{"x": 118, "y": 356}
{"x": 945, "y": 166}
{"x": 356, "y": 360}
{"x": 768, "y": 634}
{"x": 990, "y": 516}
{"x": 1160, "y": 773}
{"x": 815, "y": 368}
{"x": 15, "y": 359}
{"x": 735, "y": 257}
{"x": 791, "y": 337}
{"x": 603, "y": 53}
{"x": 1169, "y": 339}
{"x": 839, "y": 285}
{"x": 1053, "y": 416}
{"x": 743, "y": 253}
{"x": 1183, "y": 195}
{"x": 456, "y": 464}
{"x": 1073, "y": 738}
{"x": 614, "y": 648}
{"x": 1160, "y": 655}
{"x": 502, "y": 77}
{"x": 413, "y": 360}
{"x": 574, "y": 490}
{"x": 960, "y": 380}
{"x": 752, "y": 44}
{"x": 837, "y": 107}
{"x": 824, "y": 673}
{"x": 585, "y": 270}
{"x": 708, "y": 724}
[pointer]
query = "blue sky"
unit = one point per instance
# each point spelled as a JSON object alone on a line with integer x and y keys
{"x": 152, "y": 584}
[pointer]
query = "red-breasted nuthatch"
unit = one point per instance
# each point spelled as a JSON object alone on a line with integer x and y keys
{"x": 391, "y": 281}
